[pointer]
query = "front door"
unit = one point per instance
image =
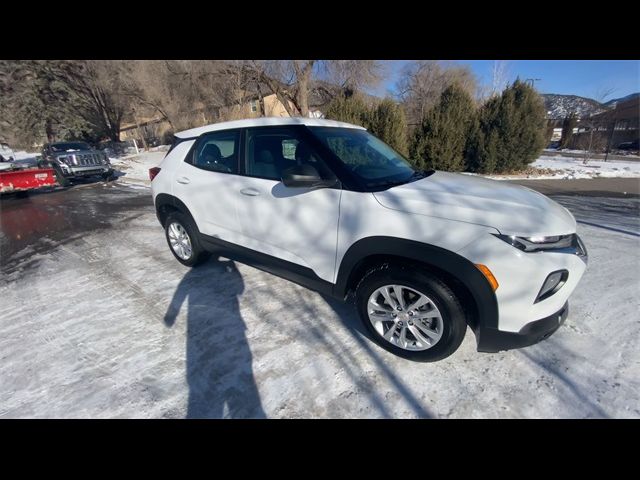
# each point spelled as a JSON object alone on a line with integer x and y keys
{"x": 299, "y": 225}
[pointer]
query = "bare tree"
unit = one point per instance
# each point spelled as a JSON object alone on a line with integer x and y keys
{"x": 595, "y": 129}
{"x": 95, "y": 93}
{"x": 292, "y": 80}
{"x": 354, "y": 75}
{"x": 422, "y": 82}
{"x": 184, "y": 92}
{"x": 499, "y": 76}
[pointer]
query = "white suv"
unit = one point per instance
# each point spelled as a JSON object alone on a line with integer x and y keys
{"x": 331, "y": 207}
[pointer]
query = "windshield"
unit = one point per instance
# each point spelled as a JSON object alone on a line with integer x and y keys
{"x": 374, "y": 162}
{"x": 67, "y": 146}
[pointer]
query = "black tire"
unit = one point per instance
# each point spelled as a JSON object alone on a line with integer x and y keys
{"x": 60, "y": 178}
{"x": 198, "y": 254}
{"x": 108, "y": 176}
{"x": 453, "y": 316}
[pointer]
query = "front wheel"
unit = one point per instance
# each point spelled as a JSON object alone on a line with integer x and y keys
{"x": 411, "y": 313}
{"x": 60, "y": 178}
{"x": 182, "y": 237}
{"x": 108, "y": 176}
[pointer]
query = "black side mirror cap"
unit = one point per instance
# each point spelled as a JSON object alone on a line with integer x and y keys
{"x": 304, "y": 176}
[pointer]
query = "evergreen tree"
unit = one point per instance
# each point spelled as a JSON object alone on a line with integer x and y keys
{"x": 387, "y": 122}
{"x": 440, "y": 141}
{"x": 511, "y": 131}
{"x": 350, "y": 109}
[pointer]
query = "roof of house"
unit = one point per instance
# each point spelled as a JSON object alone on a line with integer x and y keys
{"x": 624, "y": 110}
{"x": 264, "y": 122}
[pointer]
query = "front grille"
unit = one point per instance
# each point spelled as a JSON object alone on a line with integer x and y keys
{"x": 87, "y": 159}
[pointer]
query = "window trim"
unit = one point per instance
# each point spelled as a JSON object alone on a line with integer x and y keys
{"x": 191, "y": 154}
{"x": 303, "y": 135}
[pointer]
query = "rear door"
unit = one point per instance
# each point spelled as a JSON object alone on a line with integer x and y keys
{"x": 298, "y": 225}
{"x": 207, "y": 182}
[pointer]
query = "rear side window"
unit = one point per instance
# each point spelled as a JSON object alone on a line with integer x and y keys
{"x": 218, "y": 152}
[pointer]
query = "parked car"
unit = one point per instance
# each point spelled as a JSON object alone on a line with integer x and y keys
{"x": 76, "y": 160}
{"x": 6, "y": 153}
{"x": 629, "y": 145}
{"x": 328, "y": 205}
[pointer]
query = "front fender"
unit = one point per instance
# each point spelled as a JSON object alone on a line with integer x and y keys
{"x": 455, "y": 265}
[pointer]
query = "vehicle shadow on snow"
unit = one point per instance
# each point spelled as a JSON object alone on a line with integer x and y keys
{"x": 218, "y": 359}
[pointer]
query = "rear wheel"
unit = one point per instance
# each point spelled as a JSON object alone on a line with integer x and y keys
{"x": 183, "y": 240}
{"x": 411, "y": 313}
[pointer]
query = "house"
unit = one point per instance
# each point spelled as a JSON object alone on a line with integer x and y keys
{"x": 620, "y": 124}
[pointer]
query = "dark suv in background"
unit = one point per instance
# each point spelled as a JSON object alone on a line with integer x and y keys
{"x": 76, "y": 160}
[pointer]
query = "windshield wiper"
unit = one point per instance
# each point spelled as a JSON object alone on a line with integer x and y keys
{"x": 416, "y": 175}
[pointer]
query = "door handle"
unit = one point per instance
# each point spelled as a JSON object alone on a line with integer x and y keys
{"x": 252, "y": 192}
{"x": 183, "y": 180}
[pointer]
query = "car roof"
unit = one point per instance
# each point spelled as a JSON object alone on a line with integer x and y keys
{"x": 264, "y": 122}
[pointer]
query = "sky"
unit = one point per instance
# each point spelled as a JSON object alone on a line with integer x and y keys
{"x": 586, "y": 78}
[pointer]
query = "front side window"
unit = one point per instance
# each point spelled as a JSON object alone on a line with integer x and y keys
{"x": 271, "y": 151}
{"x": 371, "y": 160}
{"x": 218, "y": 152}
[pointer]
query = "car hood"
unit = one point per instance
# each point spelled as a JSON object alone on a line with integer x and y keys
{"x": 511, "y": 209}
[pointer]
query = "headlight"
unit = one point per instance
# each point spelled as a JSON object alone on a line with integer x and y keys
{"x": 536, "y": 243}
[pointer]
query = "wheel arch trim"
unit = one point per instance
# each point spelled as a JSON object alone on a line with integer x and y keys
{"x": 463, "y": 270}
{"x": 163, "y": 200}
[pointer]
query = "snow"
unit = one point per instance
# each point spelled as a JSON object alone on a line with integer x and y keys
{"x": 22, "y": 155}
{"x": 134, "y": 169}
{"x": 108, "y": 324}
{"x": 559, "y": 167}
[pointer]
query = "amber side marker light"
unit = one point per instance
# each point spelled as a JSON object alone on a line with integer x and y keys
{"x": 488, "y": 275}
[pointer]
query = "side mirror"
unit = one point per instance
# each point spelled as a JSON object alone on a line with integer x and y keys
{"x": 304, "y": 176}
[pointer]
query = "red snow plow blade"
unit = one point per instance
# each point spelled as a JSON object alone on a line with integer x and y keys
{"x": 21, "y": 180}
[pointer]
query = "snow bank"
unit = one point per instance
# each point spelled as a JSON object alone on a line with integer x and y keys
{"x": 134, "y": 169}
{"x": 558, "y": 167}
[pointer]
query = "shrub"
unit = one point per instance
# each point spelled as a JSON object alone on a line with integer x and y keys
{"x": 441, "y": 140}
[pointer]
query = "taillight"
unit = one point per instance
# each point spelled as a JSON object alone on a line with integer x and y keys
{"x": 153, "y": 172}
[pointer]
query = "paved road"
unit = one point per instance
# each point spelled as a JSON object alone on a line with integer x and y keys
{"x": 597, "y": 187}
{"x": 64, "y": 214}
{"x": 97, "y": 319}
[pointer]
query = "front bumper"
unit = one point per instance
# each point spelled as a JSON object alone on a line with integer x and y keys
{"x": 87, "y": 171}
{"x": 494, "y": 340}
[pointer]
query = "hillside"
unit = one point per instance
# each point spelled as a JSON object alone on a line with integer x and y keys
{"x": 561, "y": 106}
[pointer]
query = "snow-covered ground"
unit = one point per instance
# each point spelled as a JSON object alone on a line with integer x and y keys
{"x": 134, "y": 169}
{"x": 108, "y": 324}
{"x": 22, "y": 155}
{"x": 571, "y": 168}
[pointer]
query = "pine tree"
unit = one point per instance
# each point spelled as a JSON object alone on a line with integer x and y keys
{"x": 350, "y": 109}
{"x": 511, "y": 131}
{"x": 387, "y": 122}
{"x": 440, "y": 141}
